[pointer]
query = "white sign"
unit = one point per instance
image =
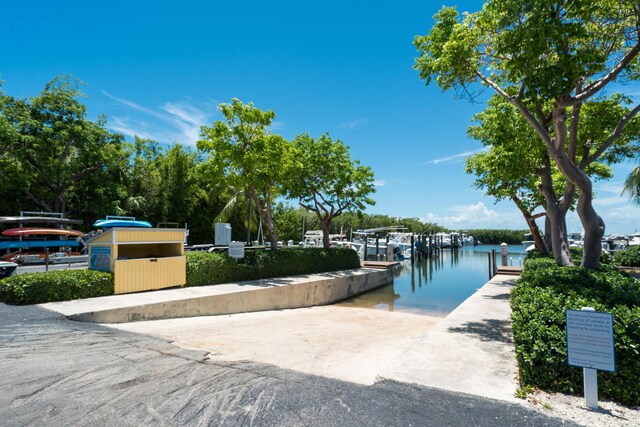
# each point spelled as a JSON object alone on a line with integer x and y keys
{"x": 236, "y": 250}
{"x": 590, "y": 340}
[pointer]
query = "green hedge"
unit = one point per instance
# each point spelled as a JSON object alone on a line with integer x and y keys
{"x": 202, "y": 269}
{"x": 62, "y": 285}
{"x": 629, "y": 257}
{"x": 576, "y": 255}
{"x": 539, "y": 300}
{"x": 213, "y": 268}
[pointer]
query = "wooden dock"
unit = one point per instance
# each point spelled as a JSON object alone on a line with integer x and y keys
{"x": 379, "y": 265}
{"x": 509, "y": 270}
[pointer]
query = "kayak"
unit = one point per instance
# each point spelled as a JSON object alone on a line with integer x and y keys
{"x": 43, "y": 231}
{"x": 110, "y": 223}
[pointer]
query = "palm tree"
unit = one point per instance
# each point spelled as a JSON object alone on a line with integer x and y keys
{"x": 632, "y": 185}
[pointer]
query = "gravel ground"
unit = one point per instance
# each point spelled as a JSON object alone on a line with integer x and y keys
{"x": 572, "y": 408}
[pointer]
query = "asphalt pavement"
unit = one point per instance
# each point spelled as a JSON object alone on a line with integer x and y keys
{"x": 58, "y": 372}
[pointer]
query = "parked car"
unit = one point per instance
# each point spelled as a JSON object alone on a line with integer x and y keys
{"x": 7, "y": 269}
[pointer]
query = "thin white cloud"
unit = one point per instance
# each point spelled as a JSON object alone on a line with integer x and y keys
{"x": 277, "y": 125}
{"x": 354, "y": 123}
{"x": 185, "y": 112}
{"x": 172, "y": 122}
{"x": 380, "y": 183}
{"x": 609, "y": 194}
{"x": 608, "y": 201}
{"x": 122, "y": 126}
{"x": 454, "y": 157}
{"x": 132, "y": 105}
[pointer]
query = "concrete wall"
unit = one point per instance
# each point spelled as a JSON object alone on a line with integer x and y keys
{"x": 273, "y": 294}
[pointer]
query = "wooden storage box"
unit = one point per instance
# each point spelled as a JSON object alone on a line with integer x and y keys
{"x": 140, "y": 259}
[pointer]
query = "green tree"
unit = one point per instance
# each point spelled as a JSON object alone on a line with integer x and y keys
{"x": 243, "y": 154}
{"x": 54, "y": 159}
{"x": 288, "y": 221}
{"x": 512, "y": 165}
{"x": 327, "y": 182}
{"x": 144, "y": 195}
{"x": 547, "y": 58}
{"x": 632, "y": 183}
{"x": 516, "y": 166}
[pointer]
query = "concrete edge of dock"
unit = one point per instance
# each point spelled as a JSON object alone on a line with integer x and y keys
{"x": 258, "y": 295}
{"x": 470, "y": 351}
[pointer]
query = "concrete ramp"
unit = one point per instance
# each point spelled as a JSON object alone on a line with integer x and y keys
{"x": 250, "y": 296}
{"x": 470, "y": 351}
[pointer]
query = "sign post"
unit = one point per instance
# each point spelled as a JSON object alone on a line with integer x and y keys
{"x": 590, "y": 345}
{"x": 236, "y": 250}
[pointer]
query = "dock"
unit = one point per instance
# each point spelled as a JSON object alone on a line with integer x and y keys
{"x": 509, "y": 270}
{"x": 379, "y": 265}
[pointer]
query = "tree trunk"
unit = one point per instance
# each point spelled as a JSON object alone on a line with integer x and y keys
{"x": 547, "y": 231}
{"x": 533, "y": 227}
{"x": 556, "y": 213}
{"x": 559, "y": 243}
{"x": 535, "y": 233}
{"x": 264, "y": 211}
{"x": 326, "y": 230}
{"x": 591, "y": 222}
{"x": 594, "y": 229}
{"x": 268, "y": 222}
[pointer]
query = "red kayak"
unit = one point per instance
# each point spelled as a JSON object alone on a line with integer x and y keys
{"x": 33, "y": 231}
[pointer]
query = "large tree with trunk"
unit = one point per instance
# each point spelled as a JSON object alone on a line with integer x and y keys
{"x": 516, "y": 165}
{"x": 52, "y": 158}
{"x": 327, "y": 182}
{"x": 547, "y": 58}
{"x": 509, "y": 167}
{"x": 243, "y": 154}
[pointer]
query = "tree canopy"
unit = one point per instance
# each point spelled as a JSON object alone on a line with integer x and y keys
{"x": 53, "y": 158}
{"x": 244, "y": 154}
{"x": 547, "y": 58}
{"x": 53, "y": 155}
{"x": 326, "y": 181}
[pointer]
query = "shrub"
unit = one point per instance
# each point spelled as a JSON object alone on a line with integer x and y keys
{"x": 62, "y": 285}
{"x": 539, "y": 300}
{"x": 214, "y": 268}
{"x": 202, "y": 269}
{"x": 630, "y": 257}
{"x": 576, "y": 255}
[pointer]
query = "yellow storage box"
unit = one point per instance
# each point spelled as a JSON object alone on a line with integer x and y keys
{"x": 140, "y": 259}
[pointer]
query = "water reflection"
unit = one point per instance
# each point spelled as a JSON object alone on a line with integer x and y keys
{"x": 433, "y": 286}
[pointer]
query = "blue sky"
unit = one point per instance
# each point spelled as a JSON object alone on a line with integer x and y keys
{"x": 159, "y": 69}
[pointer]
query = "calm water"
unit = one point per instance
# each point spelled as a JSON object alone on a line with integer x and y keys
{"x": 437, "y": 285}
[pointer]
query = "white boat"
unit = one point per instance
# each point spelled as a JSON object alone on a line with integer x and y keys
{"x": 396, "y": 239}
{"x": 401, "y": 242}
{"x": 529, "y": 245}
{"x": 467, "y": 240}
{"x": 312, "y": 239}
{"x": 63, "y": 258}
{"x": 456, "y": 239}
{"x": 616, "y": 242}
{"x": 443, "y": 240}
{"x": 634, "y": 239}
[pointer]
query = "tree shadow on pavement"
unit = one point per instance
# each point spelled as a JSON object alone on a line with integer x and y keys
{"x": 487, "y": 330}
